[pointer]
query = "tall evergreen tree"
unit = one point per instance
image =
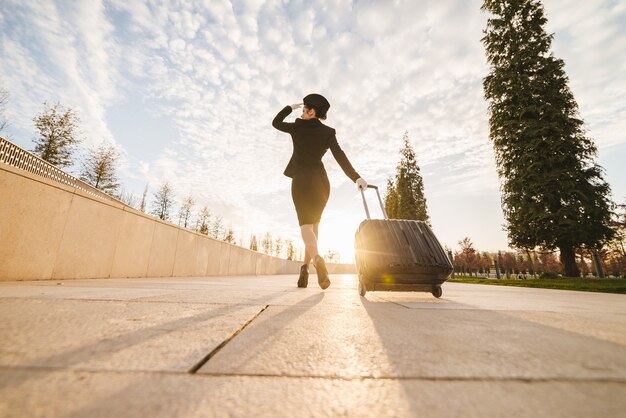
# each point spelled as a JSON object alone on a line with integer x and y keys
{"x": 254, "y": 245}
{"x": 142, "y": 204}
{"x": 410, "y": 202}
{"x": 163, "y": 201}
{"x": 99, "y": 168}
{"x": 58, "y": 134}
{"x": 391, "y": 200}
{"x": 553, "y": 193}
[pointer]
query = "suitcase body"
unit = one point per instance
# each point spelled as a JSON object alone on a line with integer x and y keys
{"x": 399, "y": 255}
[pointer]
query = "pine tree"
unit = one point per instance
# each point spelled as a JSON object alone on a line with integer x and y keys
{"x": 142, "y": 205}
{"x": 99, "y": 168}
{"x": 391, "y": 200}
{"x": 254, "y": 245}
{"x": 58, "y": 130}
{"x": 553, "y": 193}
{"x": 290, "y": 249}
{"x": 409, "y": 186}
{"x": 230, "y": 236}
{"x": 163, "y": 201}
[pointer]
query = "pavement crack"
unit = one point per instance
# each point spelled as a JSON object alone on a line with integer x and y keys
{"x": 217, "y": 349}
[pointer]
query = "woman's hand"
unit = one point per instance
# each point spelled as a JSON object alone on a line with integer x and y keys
{"x": 296, "y": 106}
{"x": 361, "y": 184}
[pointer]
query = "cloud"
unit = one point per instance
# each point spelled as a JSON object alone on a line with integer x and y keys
{"x": 589, "y": 37}
{"x": 56, "y": 53}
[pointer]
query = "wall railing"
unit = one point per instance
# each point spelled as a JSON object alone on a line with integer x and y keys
{"x": 17, "y": 157}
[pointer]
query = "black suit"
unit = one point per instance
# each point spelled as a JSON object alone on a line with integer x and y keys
{"x": 310, "y": 187}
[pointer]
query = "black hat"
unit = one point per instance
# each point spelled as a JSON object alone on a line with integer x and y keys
{"x": 317, "y": 102}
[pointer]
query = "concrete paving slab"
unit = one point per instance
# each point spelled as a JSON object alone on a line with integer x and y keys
{"x": 388, "y": 340}
{"x": 125, "y": 347}
{"x": 111, "y": 335}
{"x": 62, "y": 393}
{"x": 502, "y": 298}
{"x": 65, "y": 291}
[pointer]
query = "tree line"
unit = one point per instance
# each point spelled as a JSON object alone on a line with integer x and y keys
{"x": 469, "y": 261}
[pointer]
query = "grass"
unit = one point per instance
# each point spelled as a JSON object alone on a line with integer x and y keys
{"x": 566, "y": 283}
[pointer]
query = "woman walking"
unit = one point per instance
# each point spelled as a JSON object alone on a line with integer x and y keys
{"x": 310, "y": 187}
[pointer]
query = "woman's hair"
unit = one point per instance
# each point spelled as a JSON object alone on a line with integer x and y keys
{"x": 320, "y": 114}
{"x": 318, "y": 103}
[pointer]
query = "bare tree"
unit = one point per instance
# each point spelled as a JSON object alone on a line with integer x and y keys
{"x": 217, "y": 228}
{"x": 469, "y": 255}
{"x": 4, "y": 99}
{"x": 184, "y": 214}
{"x": 332, "y": 256}
{"x": 163, "y": 201}
{"x": 99, "y": 168}
{"x": 128, "y": 198}
{"x": 278, "y": 247}
{"x": 267, "y": 243}
{"x": 202, "y": 221}
{"x": 58, "y": 134}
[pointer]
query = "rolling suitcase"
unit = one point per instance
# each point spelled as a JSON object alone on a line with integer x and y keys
{"x": 398, "y": 255}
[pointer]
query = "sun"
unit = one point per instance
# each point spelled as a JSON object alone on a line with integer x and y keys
{"x": 337, "y": 234}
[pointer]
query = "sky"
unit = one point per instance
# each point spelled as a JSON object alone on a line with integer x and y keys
{"x": 186, "y": 92}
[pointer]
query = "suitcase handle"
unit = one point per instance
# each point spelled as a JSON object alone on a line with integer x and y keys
{"x": 367, "y": 212}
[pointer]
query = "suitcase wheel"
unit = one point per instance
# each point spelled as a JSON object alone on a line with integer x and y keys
{"x": 362, "y": 288}
{"x": 437, "y": 292}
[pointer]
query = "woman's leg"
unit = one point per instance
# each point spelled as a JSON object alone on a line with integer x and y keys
{"x": 310, "y": 242}
{"x": 307, "y": 256}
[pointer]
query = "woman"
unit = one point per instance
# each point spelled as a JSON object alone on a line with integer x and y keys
{"x": 309, "y": 186}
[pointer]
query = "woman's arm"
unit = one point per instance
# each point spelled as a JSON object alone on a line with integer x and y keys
{"x": 278, "y": 120}
{"x": 343, "y": 161}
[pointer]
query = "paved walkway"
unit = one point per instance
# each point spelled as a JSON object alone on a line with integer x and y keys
{"x": 258, "y": 346}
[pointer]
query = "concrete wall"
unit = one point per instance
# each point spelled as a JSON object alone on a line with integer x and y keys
{"x": 52, "y": 231}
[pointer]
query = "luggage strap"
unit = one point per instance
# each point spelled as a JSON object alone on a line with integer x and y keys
{"x": 367, "y": 212}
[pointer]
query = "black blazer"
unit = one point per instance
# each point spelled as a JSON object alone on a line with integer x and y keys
{"x": 311, "y": 139}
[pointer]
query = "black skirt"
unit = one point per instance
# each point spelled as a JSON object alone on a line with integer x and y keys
{"x": 310, "y": 191}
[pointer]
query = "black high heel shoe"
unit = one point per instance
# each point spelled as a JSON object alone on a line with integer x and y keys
{"x": 322, "y": 272}
{"x": 303, "y": 280}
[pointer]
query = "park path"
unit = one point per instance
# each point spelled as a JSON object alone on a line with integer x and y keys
{"x": 259, "y": 346}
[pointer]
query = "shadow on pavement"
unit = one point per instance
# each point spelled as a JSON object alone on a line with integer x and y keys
{"x": 69, "y": 358}
{"x": 102, "y": 407}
